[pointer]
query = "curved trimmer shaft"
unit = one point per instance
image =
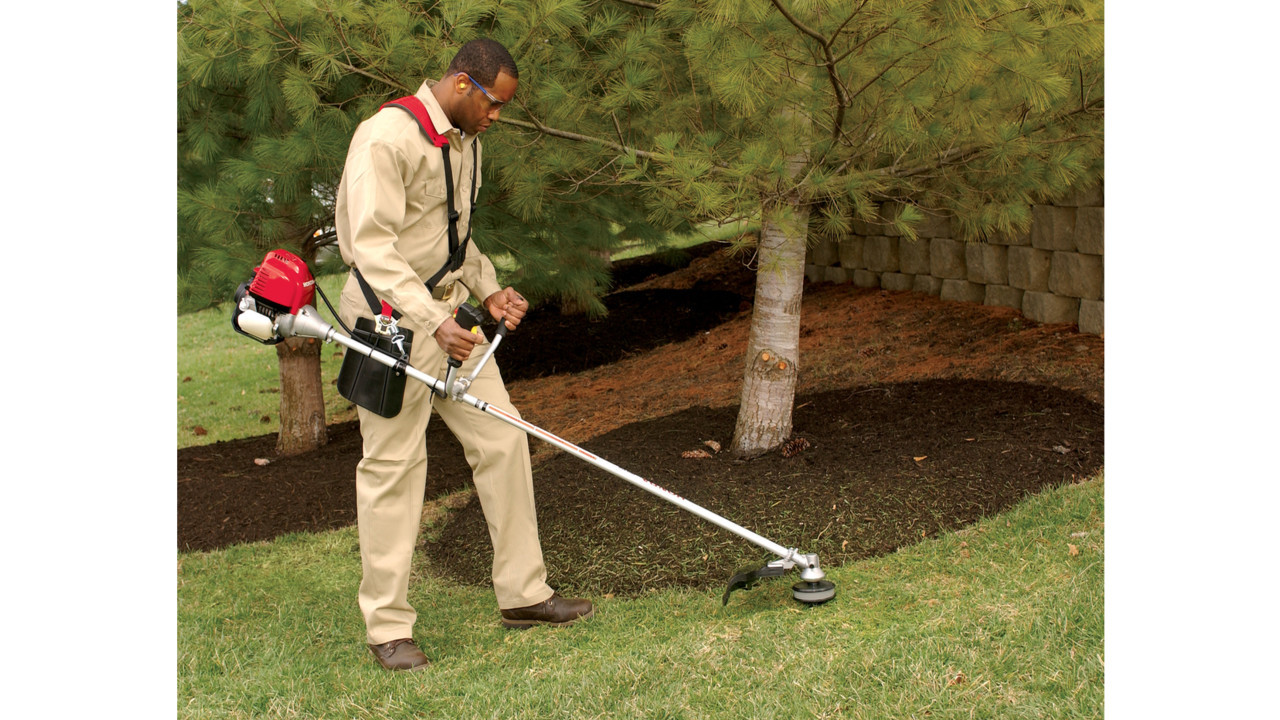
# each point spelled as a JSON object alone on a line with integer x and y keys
{"x": 308, "y": 323}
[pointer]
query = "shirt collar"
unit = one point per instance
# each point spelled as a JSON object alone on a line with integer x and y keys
{"x": 438, "y": 118}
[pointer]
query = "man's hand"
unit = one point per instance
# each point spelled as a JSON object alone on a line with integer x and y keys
{"x": 456, "y": 340}
{"x": 507, "y": 305}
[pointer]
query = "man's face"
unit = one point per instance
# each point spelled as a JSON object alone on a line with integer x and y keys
{"x": 479, "y": 106}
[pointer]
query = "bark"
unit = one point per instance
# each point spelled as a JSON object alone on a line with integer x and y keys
{"x": 302, "y": 422}
{"x": 773, "y": 350}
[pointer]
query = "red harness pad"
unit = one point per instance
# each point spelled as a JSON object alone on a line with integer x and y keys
{"x": 419, "y": 112}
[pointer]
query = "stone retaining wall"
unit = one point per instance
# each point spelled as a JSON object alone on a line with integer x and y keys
{"x": 1051, "y": 274}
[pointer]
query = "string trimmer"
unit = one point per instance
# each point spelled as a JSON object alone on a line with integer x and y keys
{"x": 277, "y": 304}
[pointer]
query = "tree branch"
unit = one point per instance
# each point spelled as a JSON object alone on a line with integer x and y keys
{"x": 799, "y": 25}
{"x": 565, "y": 134}
{"x": 278, "y": 22}
{"x": 842, "y": 95}
{"x": 961, "y": 154}
{"x": 849, "y": 19}
{"x": 640, "y": 3}
{"x": 868, "y": 39}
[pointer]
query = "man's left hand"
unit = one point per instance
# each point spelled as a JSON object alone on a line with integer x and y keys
{"x": 507, "y": 305}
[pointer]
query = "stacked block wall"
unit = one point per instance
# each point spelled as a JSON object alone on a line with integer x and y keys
{"x": 1051, "y": 274}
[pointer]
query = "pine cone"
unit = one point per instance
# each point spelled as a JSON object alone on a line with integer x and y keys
{"x": 794, "y": 447}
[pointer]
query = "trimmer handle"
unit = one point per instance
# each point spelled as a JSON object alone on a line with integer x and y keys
{"x": 468, "y": 316}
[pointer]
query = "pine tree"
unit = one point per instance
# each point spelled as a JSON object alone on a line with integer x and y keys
{"x": 634, "y": 117}
{"x": 811, "y": 114}
{"x": 885, "y": 112}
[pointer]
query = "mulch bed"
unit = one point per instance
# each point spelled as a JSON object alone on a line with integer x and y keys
{"x": 876, "y": 468}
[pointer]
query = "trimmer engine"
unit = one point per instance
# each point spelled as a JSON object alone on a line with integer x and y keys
{"x": 282, "y": 284}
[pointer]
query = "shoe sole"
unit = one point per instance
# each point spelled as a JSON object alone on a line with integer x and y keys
{"x": 526, "y": 624}
{"x": 414, "y": 668}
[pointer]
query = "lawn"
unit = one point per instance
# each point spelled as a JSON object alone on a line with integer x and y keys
{"x": 1001, "y": 619}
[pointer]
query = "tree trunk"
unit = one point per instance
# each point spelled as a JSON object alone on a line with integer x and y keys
{"x": 773, "y": 350}
{"x": 302, "y": 425}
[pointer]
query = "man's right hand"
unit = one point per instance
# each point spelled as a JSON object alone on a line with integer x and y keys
{"x": 456, "y": 340}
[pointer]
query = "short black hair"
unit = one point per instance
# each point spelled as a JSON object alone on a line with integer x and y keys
{"x": 483, "y": 59}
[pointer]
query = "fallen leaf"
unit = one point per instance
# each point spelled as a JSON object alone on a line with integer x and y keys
{"x": 844, "y": 545}
{"x": 199, "y": 430}
{"x": 970, "y": 439}
{"x": 695, "y": 454}
{"x": 715, "y": 446}
{"x": 957, "y": 680}
{"x": 918, "y": 459}
{"x": 186, "y": 379}
{"x": 265, "y": 419}
{"x": 1072, "y": 549}
{"x": 261, "y": 461}
{"x": 1060, "y": 450}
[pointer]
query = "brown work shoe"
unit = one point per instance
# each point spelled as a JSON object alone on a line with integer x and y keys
{"x": 399, "y": 654}
{"x": 555, "y": 610}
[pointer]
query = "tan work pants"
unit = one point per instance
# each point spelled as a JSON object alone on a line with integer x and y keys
{"x": 391, "y": 479}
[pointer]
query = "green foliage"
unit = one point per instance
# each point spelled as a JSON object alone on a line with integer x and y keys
{"x": 633, "y": 121}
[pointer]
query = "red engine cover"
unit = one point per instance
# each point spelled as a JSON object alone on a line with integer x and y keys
{"x": 284, "y": 281}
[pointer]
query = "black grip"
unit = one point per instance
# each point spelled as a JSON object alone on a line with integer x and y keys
{"x": 468, "y": 316}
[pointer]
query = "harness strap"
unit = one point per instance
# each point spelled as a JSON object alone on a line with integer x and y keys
{"x": 457, "y": 248}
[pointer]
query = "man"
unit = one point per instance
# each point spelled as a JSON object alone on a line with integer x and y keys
{"x": 392, "y": 220}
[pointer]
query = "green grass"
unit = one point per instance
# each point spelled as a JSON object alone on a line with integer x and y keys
{"x": 505, "y": 263}
{"x": 707, "y": 233}
{"x": 1000, "y": 620}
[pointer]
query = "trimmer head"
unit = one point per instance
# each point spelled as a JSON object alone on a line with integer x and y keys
{"x": 814, "y": 593}
{"x": 812, "y": 590}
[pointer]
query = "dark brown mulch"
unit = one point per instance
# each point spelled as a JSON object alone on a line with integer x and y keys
{"x": 638, "y": 321}
{"x": 225, "y": 498}
{"x": 882, "y": 468}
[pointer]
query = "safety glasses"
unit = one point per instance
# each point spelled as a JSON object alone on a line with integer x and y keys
{"x": 496, "y": 102}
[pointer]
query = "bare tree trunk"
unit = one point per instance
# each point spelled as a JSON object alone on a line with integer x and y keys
{"x": 302, "y": 421}
{"x": 773, "y": 350}
{"x": 302, "y": 424}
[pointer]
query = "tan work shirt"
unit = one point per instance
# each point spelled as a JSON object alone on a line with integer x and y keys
{"x": 392, "y": 216}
